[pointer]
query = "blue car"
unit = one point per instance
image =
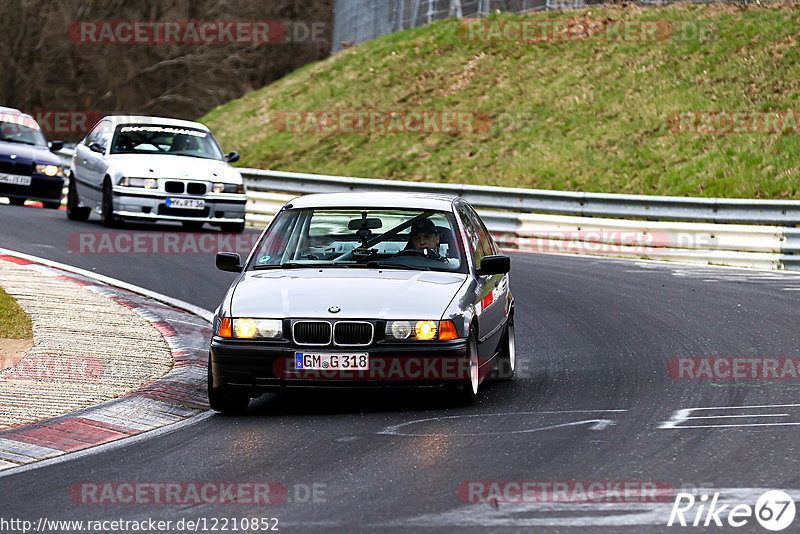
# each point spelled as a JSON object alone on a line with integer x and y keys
{"x": 28, "y": 168}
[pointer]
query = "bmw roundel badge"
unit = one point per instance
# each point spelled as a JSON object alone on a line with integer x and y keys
{"x": 334, "y": 309}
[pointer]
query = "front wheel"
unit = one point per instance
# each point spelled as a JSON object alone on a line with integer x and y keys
{"x": 225, "y": 401}
{"x": 74, "y": 211}
{"x": 507, "y": 357}
{"x": 107, "y": 217}
{"x": 465, "y": 391}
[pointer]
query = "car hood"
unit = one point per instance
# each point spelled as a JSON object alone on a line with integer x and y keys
{"x": 180, "y": 167}
{"x": 360, "y": 293}
{"x": 27, "y": 154}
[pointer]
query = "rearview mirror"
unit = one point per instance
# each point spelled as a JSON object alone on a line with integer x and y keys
{"x": 97, "y": 147}
{"x": 361, "y": 224}
{"x": 496, "y": 264}
{"x": 55, "y": 146}
{"x": 232, "y": 156}
{"x": 229, "y": 261}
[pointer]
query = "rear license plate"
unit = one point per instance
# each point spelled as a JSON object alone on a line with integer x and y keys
{"x": 14, "y": 179}
{"x": 188, "y": 203}
{"x": 327, "y": 362}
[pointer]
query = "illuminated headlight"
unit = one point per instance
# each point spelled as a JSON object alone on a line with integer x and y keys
{"x": 421, "y": 330}
{"x": 219, "y": 187}
{"x": 49, "y": 170}
{"x": 246, "y": 328}
{"x": 147, "y": 183}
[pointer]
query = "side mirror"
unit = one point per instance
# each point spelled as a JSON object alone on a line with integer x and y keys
{"x": 232, "y": 156}
{"x": 55, "y": 146}
{"x": 497, "y": 264}
{"x": 97, "y": 147}
{"x": 229, "y": 261}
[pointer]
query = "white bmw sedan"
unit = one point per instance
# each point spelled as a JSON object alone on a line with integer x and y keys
{"x": 154, "y": 168}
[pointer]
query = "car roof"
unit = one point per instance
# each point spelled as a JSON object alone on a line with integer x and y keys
{"x": 14, "y": 111}
{"x": 425, "y": 201}
{"x": 145, "y": 119}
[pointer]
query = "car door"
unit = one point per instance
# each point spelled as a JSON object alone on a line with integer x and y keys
{"x": 90, "y": 166}
{"x": 491, "y": 291}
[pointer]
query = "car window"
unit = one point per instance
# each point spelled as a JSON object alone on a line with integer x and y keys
{"x": 161, "y": 139}
{"x": 362, "y": 237}
{"x": 16, "y": 128}
{"x": 488, "y": 245}
{"x": 94, "y": 135}
{"x": 478, "y": 241}
{"x": 104, "y": 133}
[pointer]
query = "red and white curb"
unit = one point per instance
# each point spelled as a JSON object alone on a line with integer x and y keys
{"x": 176, "y": 397}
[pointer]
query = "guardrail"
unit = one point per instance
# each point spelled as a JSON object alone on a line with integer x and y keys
{"x": 646, "y": 207}
{"x": 718, "y": 231}
{"x": 733, "y": 232}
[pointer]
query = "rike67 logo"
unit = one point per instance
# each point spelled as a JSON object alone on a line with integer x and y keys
{"x": 774, "y": 510}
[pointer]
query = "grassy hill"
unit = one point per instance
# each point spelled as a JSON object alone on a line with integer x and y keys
{"x": 575, "y": 114}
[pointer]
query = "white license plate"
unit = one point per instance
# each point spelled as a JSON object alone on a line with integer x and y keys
{"x": 188, "y": 203}
{"x": 14, "y": 179}
{"x": 327, "y": 362}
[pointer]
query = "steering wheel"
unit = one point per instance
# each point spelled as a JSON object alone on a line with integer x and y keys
{"x": 431, "y": 255}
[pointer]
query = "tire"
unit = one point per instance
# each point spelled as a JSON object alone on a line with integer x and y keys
{"x": 192, "y": 226}
{"x": 74, "y": 211}
{"x": 507, "y": 357}
{"x": 227, "y": 402}
{"x": 235, "y": 228}
{"x": 16, "y": 201}
{"x": 51, "y": 205}
{"x": 465, "y": 391}
{"x": 107, "y": 217}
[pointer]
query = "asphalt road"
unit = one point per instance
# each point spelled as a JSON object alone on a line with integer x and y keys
{"x": 589, "y": 403}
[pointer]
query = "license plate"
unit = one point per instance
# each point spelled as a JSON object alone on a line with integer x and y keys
{"x": 188, "y": 203}
{"x": 327, "y": 362}
{"x": 14, "y": 179}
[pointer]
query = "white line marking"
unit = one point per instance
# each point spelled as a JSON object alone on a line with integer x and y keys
{"x": 598, "y": 424}
{"x": 745, "y": 415}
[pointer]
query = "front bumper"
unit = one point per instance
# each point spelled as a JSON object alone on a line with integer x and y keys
{"x": 130, "y": 203}
{"x": 43, "y": 188}
{"x": 259, "y": 367}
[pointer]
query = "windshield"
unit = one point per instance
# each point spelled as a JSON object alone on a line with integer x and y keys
{"x": 20, "y": 129}
{"x": 361, "y": 238}
{"x": 158, "y": 139}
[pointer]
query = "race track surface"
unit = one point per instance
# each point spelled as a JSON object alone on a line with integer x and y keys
{"x": 592, "y": 401}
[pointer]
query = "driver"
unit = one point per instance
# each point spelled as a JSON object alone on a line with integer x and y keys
{"x": 424, "y": 237}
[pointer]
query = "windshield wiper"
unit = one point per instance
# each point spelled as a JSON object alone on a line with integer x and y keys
{"x": 12, "y": 140}
{"x": 390, "y": 265}
{"x": 297, "y": 265}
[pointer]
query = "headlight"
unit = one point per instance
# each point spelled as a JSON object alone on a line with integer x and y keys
{"x": 421, "y": 330}
{"x": 49, "y": 170}
{"x": 246, "y": 328}
{"x": 147, "y": 183}
{"x": 219, "y": 187}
